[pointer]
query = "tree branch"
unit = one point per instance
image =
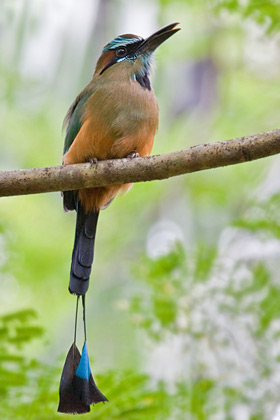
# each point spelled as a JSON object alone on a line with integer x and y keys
{"x": 121, "y": 171}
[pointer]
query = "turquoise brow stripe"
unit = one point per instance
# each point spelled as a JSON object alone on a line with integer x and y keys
{"x": 117, "y": 42}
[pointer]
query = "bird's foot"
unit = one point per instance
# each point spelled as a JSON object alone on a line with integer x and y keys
{"x": 133, "y": 155}
{"x": 93, "y": 161}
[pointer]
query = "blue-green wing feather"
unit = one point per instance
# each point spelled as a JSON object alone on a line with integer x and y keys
{"x": 74, "y": 121}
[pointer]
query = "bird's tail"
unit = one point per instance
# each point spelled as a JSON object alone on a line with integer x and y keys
{"x": 77, "y": 389}
{"x": 83, "y": 251}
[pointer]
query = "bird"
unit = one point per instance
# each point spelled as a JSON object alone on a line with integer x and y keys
{"x": 115, "y": 116}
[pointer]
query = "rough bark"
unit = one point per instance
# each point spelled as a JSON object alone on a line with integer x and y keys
{"x": 120, "y": 171}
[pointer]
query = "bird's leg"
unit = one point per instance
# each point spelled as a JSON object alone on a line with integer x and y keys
{"x": 133, "y": 155}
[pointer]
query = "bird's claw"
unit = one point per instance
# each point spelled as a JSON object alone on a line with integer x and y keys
{"x": 133, "y": 155}
{"x": 93, "y": 161}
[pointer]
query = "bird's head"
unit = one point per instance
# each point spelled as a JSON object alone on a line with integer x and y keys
{"x": 133, "y": 52}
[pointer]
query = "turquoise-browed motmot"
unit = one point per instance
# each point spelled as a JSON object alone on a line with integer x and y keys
{"x": 115, "y": 116}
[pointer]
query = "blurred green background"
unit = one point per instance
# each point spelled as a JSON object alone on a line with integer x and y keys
{"x": 184, "y": 303}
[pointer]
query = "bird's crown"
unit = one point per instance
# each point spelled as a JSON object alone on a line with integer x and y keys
{"x": 129, "y": 41}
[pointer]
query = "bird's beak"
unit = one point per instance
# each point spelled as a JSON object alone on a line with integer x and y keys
{"x": 150, "y": 44}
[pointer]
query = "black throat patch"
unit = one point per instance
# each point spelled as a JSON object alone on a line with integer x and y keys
{"x": 144, "y": 81}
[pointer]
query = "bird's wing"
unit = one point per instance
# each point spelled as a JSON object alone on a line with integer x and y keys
{"x": 73, "y": 122}
{"x": 73, "y": 119}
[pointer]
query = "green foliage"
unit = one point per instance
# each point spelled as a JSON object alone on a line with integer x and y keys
{"x": 16, "y": 330}
{"x": 158, "y": 311}
{"x": 265, "y": 13}
{"x": 264, "y": 217}
{"x": 28, "y": 388}
{"x": 216, "y": 300}
{"x": 132, "y": 397}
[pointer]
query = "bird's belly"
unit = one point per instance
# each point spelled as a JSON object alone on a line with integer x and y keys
{"x": 130, "y": 127}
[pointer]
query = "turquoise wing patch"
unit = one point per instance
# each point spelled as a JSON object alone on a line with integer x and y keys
{"x": 74, "y": 119}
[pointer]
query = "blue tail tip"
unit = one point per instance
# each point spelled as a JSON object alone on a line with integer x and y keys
{"x": 83, "y": 370}
{"x": 84, "y": 386}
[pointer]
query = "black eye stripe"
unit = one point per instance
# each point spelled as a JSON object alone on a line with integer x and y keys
{"x": 130, "y": 51}
{"x": 130, "y": 48}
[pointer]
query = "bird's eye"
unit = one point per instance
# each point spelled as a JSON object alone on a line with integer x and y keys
{"x": 121, "y": 52}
